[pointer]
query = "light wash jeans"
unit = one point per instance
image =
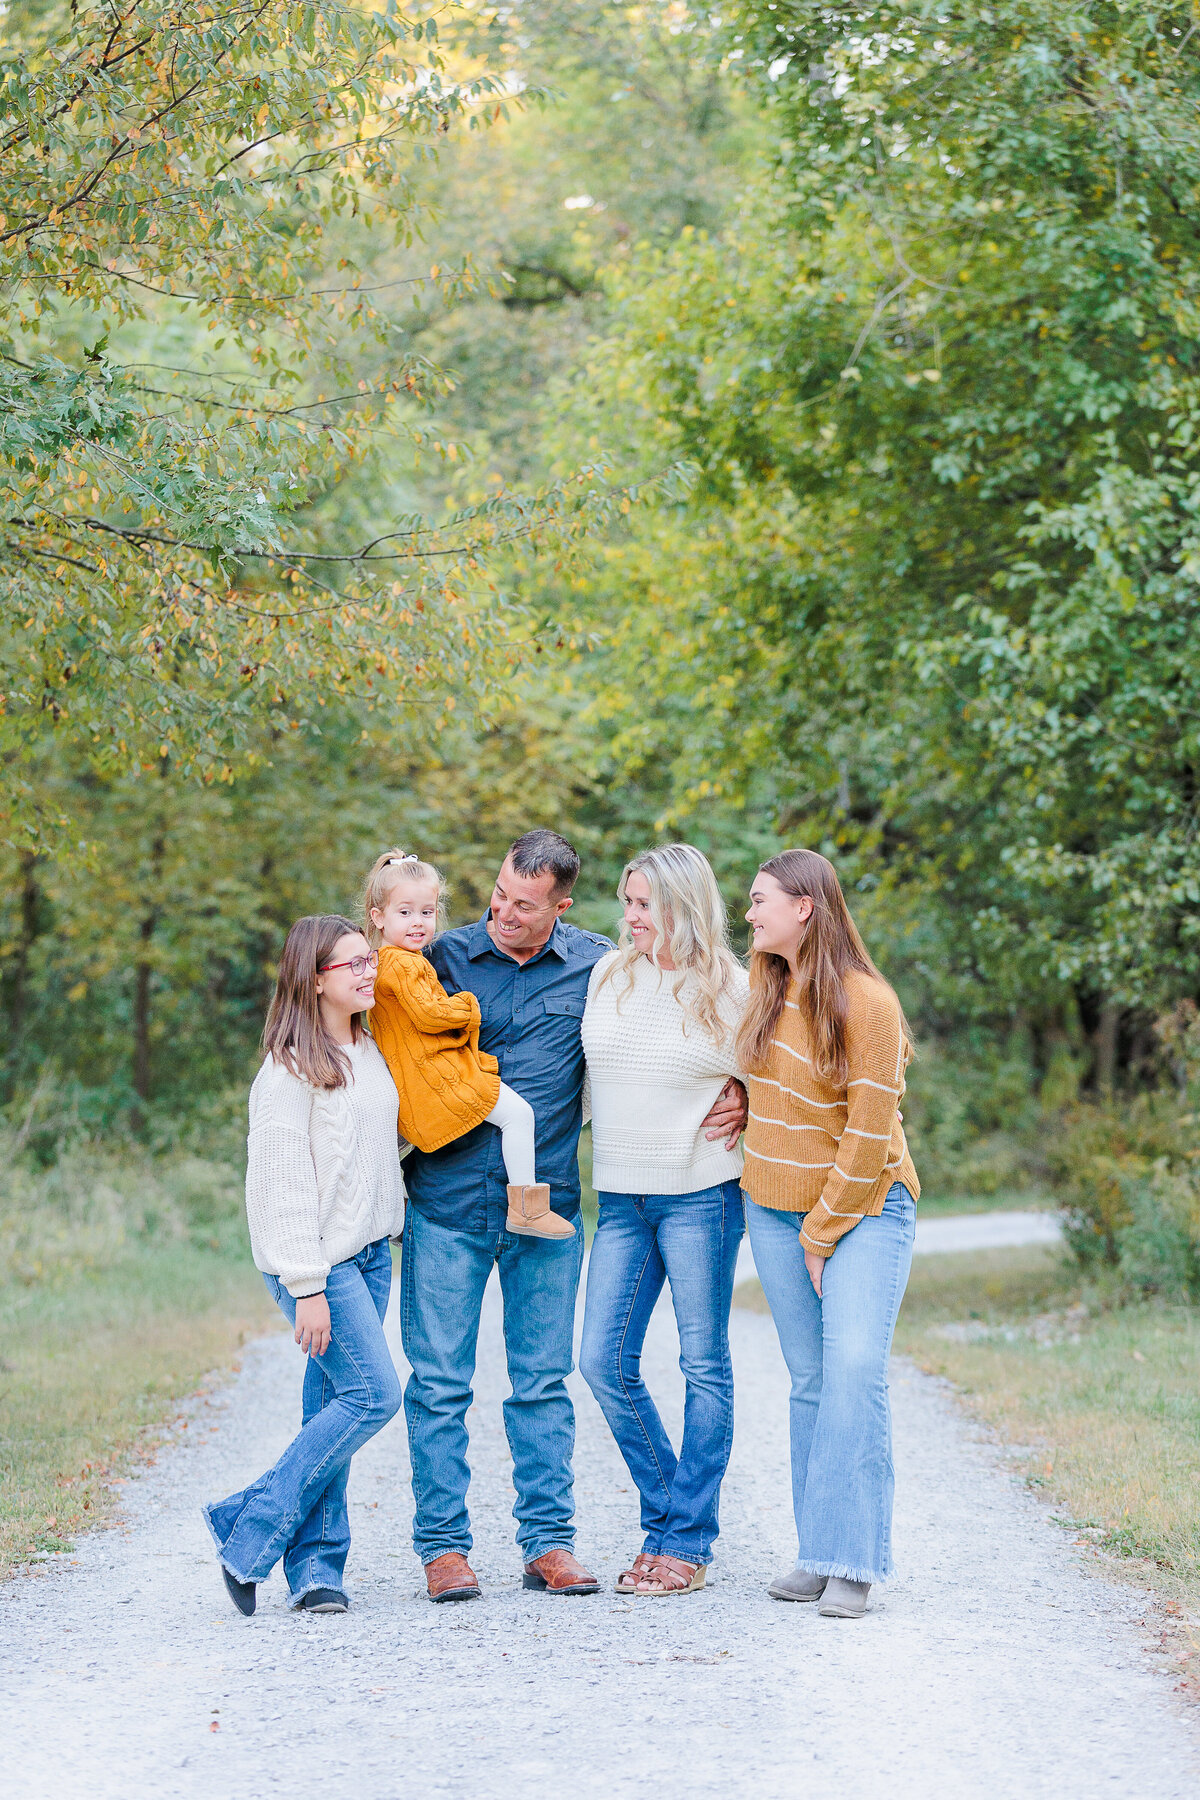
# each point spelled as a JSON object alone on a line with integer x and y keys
{"x": 690, "y": 1240}
{"x": 298, "y": 1509}
{"x": 443, "y": 1275}
{"x": 836, "y": 1350}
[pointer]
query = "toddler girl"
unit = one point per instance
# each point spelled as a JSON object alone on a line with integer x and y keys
{"x": 430, "y": 1041}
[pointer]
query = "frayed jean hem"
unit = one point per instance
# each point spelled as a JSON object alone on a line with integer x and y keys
{"x": 206, "y": 1515}
{"x": 842, "y": 1572}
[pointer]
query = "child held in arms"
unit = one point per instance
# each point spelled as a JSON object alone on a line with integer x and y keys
{"x": 430, "y": 1042}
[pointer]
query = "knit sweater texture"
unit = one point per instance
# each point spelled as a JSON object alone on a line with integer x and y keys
{"x": 323, "y": 1171}
{"x": 430, "y": 1041}
{"x": 831, "y": 1153}
{"x": 654, "y": 1073}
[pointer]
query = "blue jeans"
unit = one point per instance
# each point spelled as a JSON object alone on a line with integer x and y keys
{"x": 690, "y": 1240}
{"x": 298, "y": 1509}
{"x": 836, "y": 1350}
{"x": 443, "y": 1275}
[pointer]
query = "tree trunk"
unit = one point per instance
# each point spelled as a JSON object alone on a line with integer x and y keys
{"x": 144, "y": 969}
{"x": 18, "y": 1003}
{"x": 1104, "y": 1049}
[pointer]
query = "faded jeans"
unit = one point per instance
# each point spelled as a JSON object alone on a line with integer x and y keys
{"x": 298, "y": 1509}
{"x": 443, "y": 1276}
{"x": 836, "y": 1350}
{"x": 691, "y": 1241}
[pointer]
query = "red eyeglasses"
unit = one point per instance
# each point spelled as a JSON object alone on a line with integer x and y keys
{"x": 358, "y": 965}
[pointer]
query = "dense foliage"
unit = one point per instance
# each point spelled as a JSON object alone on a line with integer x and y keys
{"x": 935, "y": 605}
{"x": 913, "y": 292}
{"x": 208, "y": 239}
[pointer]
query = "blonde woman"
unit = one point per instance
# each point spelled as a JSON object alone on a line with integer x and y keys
{"x": 659, "y": 1035}
{"x": 831, "y": 1213}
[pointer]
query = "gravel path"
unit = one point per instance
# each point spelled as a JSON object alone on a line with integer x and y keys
{"x": 992, "y": 1667}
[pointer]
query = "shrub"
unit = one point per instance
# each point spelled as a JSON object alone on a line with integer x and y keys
{"x": 1128, "y": 1174}
{"x": 70, "y": 1200}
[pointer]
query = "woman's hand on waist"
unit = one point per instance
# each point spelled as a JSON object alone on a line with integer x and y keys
{"x": 727, "y": 1115}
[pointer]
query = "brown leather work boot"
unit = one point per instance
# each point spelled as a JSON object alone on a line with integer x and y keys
{"x": 558, "y": 1573}
{"x": 529, "y": 1213}
{"x": 451, "y": 1577}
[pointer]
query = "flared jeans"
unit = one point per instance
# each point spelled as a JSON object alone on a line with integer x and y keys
{"x": 690, "y": 1241}
{"x": 836, "y": 1350}
{"x": 298, "y": 1509}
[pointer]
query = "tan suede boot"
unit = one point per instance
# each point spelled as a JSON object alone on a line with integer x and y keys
{"x": 529, "y": 1213}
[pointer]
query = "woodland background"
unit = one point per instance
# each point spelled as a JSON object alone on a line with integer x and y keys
{"x": 766, "y": 425}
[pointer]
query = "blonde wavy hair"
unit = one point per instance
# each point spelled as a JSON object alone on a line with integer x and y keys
{"x": 387, "y": 872}
{"x": 689, "y": 919}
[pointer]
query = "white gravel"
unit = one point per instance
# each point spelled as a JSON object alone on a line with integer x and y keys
{"x": 994, "y": 1666}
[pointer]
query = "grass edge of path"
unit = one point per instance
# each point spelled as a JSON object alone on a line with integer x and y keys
{"x": 94, "y": 1367}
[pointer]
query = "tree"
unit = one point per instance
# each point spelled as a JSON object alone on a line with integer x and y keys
{"x": 200, "y": 210}
{"x": 940, "y": 383}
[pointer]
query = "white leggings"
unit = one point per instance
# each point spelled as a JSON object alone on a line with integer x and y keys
{"x": 514, "y": 1117}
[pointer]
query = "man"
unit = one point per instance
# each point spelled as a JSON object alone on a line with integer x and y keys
{"x": 529, "y": 970}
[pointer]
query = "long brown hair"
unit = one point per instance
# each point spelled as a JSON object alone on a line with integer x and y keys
{"x": 295, "y": 1033}
{"x": 828, "y": 950}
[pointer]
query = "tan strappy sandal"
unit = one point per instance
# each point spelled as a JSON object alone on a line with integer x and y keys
{"x": 677, "y": 1576}
{"x": 628, "y": 1579}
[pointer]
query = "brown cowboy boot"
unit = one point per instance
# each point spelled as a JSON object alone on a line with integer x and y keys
{"x": 529, "y": 1213}
{"x": 558, "y": 1573}
{"x": 451, "y": 1577}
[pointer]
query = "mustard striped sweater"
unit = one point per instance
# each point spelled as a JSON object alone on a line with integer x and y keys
{"x": 828, "y": 1152}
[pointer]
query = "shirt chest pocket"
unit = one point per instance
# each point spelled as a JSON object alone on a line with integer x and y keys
{"x": 560, "y": 1007}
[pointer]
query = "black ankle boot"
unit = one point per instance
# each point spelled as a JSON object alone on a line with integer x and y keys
{"x": 242, "y": 1593}
{"x": 325, "y": 1600}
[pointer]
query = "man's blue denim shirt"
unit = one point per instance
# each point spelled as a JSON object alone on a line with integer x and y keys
{"x": 532, "y": 1014}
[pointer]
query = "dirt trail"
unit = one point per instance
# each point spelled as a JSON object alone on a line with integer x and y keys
{"x": 994, "y": 1666}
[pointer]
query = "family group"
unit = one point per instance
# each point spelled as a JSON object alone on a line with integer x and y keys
{"x": 454, "y": 1070}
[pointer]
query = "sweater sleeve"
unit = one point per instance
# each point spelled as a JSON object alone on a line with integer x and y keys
{"x": 875, "y": 1052}
{"x": 282, "y": 1201}
{"x": 412, "y": 983}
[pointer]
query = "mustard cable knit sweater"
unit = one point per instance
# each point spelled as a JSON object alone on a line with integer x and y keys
{"x": 323, "y": 1171}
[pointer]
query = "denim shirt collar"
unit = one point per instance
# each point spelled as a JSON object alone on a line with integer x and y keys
{"x": 480, "y": 944}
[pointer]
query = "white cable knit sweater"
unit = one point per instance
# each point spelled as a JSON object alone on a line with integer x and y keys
{"x": 653, "y": 1075}
{"x": 323, "y": 1177}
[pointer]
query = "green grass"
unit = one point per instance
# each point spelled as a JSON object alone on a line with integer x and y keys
{"x": 1102, "y": 1403}
{"x": 92, "y": 1363}
{"x": 940, "y": 1205}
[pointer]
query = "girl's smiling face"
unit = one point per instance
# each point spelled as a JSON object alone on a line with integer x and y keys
{"x": 776, "y": 917}
{"x": 342, "y": 991}
{"x": 408, "y": 919}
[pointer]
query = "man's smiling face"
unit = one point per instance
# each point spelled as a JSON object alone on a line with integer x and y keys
{"x": 524, "y": 908}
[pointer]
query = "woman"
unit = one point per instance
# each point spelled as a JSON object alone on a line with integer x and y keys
{"x": 659, "y": 1034}
{"x": 831, "y": 1213}
{"x": 323, "y": 1196}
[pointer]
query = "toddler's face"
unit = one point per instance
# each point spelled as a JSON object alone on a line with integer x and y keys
{"x": 408, "y": 920}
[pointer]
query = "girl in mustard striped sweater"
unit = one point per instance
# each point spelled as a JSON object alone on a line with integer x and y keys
{"x": 831, "y": 1213}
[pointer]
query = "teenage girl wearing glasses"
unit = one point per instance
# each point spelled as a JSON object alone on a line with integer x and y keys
{"x": 430, "y": 1040}
{"x": 324, "y": 1194}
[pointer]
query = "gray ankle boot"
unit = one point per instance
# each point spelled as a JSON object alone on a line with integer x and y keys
{"x": 844, "y": 1599}
{"x": 797, "y": 1584}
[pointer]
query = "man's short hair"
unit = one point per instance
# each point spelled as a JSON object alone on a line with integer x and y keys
{"x": 543, "y": 852}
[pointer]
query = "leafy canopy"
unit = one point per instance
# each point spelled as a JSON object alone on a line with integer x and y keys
{"x": 202, "y": 210}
